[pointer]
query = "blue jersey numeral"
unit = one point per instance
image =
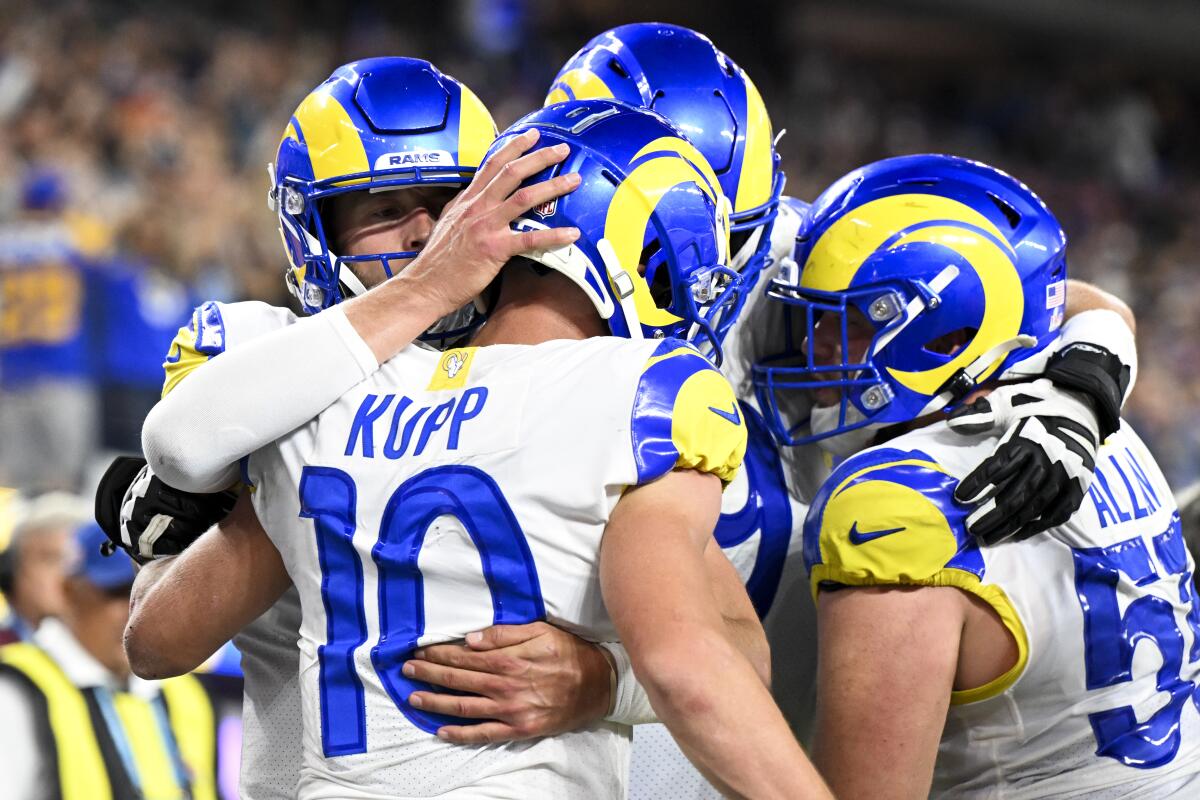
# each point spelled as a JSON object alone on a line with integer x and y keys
{"x": 1110, "y": 638}
{"x": 328, "y": 497}
{"x": 767, "y": 510}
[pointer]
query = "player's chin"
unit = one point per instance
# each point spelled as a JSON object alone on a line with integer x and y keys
{"x": 826, "y": 397}
{"x": 373, "y": 273}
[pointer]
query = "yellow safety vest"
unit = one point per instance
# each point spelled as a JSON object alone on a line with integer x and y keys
{"x": 82, "y": 771}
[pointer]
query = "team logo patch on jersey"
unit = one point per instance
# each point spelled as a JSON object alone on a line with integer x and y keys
{"x": 452, "y": 369}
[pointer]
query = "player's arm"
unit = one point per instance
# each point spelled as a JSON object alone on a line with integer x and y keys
{"x": 887, "y": 664}
{"x": 702, "y": 679}
{"x": 185, "y": 608}
{"x": 1083, "y": 296}
{"x": 257, "y": 393}
{"x": 538, "y": 680}
{"x": 1053, "y": 423}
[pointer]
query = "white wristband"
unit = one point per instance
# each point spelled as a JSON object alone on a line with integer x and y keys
{"x": 632, "y": 705}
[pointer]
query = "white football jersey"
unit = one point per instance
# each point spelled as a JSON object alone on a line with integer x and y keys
{"x": 271, "y": 718}
{"x": 1104, "y": 700}
{"x": 762, "y": 513}
{"x": 451, "y": 491}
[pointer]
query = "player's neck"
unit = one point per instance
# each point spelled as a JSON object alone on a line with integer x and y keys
{"x": 535, "y": 308}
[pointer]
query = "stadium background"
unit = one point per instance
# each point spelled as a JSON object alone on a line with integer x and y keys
{"x": 154, "y": 121}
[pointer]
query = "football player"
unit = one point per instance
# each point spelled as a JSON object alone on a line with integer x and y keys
{"x": 1064, "y": 665}
{"x": 367, "y": 162}
{"x": 680, "y": 73}
{"x": 449, "y": 491}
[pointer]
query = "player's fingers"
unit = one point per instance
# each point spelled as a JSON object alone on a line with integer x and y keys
{"x": 544, "y": 239}
{"x": 1019, "y": 505}
{"x": 1057, "y": 513}
{"x": 511, "y": 151}
{"x": 996, "y": 470}
{"x": 495, "y": 637}
{"x": 483, "y": 733}
{"x": 979, "y": 417}
{"x": 512, "y": 174}
{"x": 1042, "y": 490}
{"x": 452, "y": 655}
{"x": 528, "y": 197}
{"x": 462, "y": 680}
{"x": 455, "y": 705}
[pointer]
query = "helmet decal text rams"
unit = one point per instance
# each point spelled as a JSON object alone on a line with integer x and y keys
{"x": 378, "y": 124}
{"x": 653, "y": 223}
{"x": 920, "y": 278}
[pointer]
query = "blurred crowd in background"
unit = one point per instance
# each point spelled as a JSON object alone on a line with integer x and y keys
{"x": 134, "y": 139}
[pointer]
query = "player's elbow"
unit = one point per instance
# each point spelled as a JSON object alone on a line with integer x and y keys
{"x": 679, "y": 673}
{"x": 181, "y": 454}
{"x": 152, "y": 654}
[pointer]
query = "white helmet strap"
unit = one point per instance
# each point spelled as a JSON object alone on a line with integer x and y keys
{"x": 623, "y": 284}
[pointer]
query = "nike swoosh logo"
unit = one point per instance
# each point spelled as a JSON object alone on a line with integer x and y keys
{"x": 866, "y": 536}
{"x": 173, "y": 358}
{"x": 733, "y": 416}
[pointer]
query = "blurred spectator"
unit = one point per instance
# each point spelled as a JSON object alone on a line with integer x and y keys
{"x": 31, "y": 567}
{"x": 77, "y": 724}
{"x": 48, "y": 412}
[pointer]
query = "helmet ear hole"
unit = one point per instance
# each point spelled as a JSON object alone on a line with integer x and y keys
{"x": 658, "y": 276}
{"x": 1011, "y": 214}
{"x": 950, "y": 343}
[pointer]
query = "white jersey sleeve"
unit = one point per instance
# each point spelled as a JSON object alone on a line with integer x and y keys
{"x": 194, "y": 437}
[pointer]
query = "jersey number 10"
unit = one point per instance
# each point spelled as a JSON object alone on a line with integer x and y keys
{"x": 328, "y": 496}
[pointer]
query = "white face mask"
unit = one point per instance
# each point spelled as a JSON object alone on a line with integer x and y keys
{"x": 825, "y": 419}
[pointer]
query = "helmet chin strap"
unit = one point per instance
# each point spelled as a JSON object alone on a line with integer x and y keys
{"x": 742, "y": 257}
{"x": 623, "y": 284}
{"x": 968, "y": 376}
{"x": 350, "y": 282}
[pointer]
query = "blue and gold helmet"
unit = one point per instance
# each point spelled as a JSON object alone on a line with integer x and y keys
{"x": 682, "y": 75}
{"x": 654, "y": 233}
{"x": 953, "y": 270}
{"x": 375, "y": 124}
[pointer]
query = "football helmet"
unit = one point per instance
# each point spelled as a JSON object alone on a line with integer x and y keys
{"x": 682, "y": 75}
{"x": 374, "y": 125}
{"x": 953, "y": 271}
{"x": 654, "y": 232}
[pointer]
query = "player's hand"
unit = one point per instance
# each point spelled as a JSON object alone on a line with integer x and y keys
{"x": 1042, "y": 467}
{"x": 149, "y": 519}
{"x": 472, "y": 239}
{"x": 530, "y": 680}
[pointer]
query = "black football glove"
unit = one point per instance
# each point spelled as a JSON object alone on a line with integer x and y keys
{"x": 149, "y": 519}
{"x": 1042, "y": 467}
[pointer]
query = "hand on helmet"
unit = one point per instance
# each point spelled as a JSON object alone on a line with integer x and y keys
{"x": 1042, "y": 466}
{"x": 472, "y": 239}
